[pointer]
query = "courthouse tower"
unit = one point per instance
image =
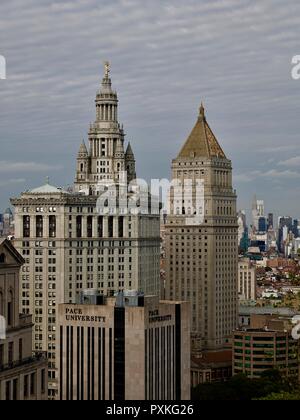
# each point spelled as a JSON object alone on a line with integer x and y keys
{"x": 201, "y": 239}
{"x": 106, "y": 159}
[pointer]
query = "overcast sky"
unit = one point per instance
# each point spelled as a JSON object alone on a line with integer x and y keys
{"x": 166, "y": 57}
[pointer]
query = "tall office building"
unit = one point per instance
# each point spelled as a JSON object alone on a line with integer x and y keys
{"x": 130, "y": 347}
{"x": 262, "y": 225}
{"x": 296, "y": 228}
{"x": 271, "y": 221}
{"x": 6, "y": 224}
{"x": 202, "y": 238}
{"x": 285, "y": 225}
{"x": 242, "y": 225}
{"x": 23, "y": 373}
{"x": 247, "y": 280}
{"x": 70, "y": 243}
{"x": 258, "y": 211}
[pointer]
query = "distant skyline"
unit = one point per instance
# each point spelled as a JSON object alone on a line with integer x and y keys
{"x": 166, "y": 57}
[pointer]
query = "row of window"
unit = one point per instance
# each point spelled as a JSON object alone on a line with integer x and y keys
{"x": 12, "y": 387}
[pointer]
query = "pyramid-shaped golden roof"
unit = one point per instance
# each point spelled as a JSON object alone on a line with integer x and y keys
{"x": 201, "y": 142}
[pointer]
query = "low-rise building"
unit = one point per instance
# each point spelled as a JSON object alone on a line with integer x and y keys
{"x": 265, "y": 345}
{"x": 211, "y": 367}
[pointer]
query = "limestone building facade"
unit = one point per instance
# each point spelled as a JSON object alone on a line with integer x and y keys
{"x": 247, "y": 279}
{"x": 106, "y": 160}
{"x": 69, "y": 243}
{"x": 130, "y": 347}
{"x": 202, "y": 238}
{"x": 23, "y": 373}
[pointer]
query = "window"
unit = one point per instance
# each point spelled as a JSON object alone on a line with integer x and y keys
{"x": 10, "y": 309}
{"x": 52, "y": 226}
{"x": 15, "y": 389}
{"x": 90, "y": 226}
{"x": 2, "y": 258}
{"x": 26, "y": 226}
{"x": 79, "y": 226}
{"x": 32, "y": 384}
{"x": 10, "y": 353}
{"x": 20, "y": 349}
{"x": 1, "y": 355}
{"x": 26, "y": 387}
{"x": 43, "y": 381}
{"x": 7, "y": 390}
{"x": 39, "y": 226}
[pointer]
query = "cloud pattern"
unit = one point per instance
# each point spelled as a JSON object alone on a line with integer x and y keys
{"x": 166, "y": 56}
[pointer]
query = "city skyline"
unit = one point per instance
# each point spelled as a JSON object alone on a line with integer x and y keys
{"x": 43, "y": 119}
{"x": 149, "y": 212}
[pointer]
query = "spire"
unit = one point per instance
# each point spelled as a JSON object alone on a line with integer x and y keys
{"x": 129, "y": 152}
{"x": 119, "y": 153}
{"x": 254, "y": 202}
{"x": 106, "y": 69}
{"x": 202, "y": 111}
{"x": 201, "y": 142}
{"x": 82, "y": 150}
{"x": 106, "y": 81}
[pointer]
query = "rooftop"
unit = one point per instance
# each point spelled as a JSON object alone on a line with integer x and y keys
{"x": 201, "y": 142}
{"x": 47, "y": 189}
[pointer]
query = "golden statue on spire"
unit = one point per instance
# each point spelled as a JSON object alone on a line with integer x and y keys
{"x": 202, "y": 110}
{"x": 106, "y": 69}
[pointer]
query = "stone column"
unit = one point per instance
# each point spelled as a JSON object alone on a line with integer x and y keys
{"x": 32, "y": 226}
{"x": 84, "y": 226}
{"x": 46, "y": 226}
{"x": 95, "y": 226}
{"x": 105, "y": 226}
{"x": 116, "y": 227}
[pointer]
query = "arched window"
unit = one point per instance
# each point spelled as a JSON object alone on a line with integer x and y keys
{"x": 52, "y": 226}
{"x": 2, "y": 258}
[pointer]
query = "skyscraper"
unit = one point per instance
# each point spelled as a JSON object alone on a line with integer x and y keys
{"x": 262, "y": 225}
{"x": 258, "y": 210}
{"x": 69, "y": 244}
{"x": 242, "y": 225}
{"x": 271, "y": 221}
{"x": 202, "y": 239}
{"x": 285, "y": 225}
